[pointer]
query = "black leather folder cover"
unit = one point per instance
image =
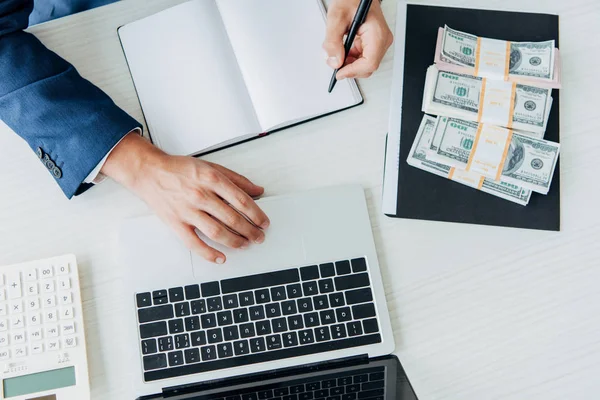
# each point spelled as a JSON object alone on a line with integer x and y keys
{"x": 422, "y": 195}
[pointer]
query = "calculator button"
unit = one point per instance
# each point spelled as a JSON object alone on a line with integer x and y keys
{"x": 3, "y": 339}
{"x": 20, "y": 351}
{"x": 65, "y": 298}
{"x": 46, "y": 272}
{"x": 49, "y": 301}
{"x": 35, "y": 334}
{"x": 51, "y": 331}
{"x": 62, "y": 269}
{"x": 33, "y": 319}
{"x": 31, "y": 275}
{"x": 14, "y": 285}
{"x": 64, "y": 283}
{"x": 69, "y": 342}
{"x": 50, "y": 316}
{"x": 48, "y": 286}
{"x": 33, "y": 304}
{"x": 66, "y": 313}
{"x": 67, "y": 328}
{"x": 4, "y": 354}
{"x": 31, "y": 289}
{"x": 17, "y": 322}
{"x": 16, "y": 307}
{"x": 37, "y": 348}
{"x": 52, "y": 345}
{"x": 18, "y": 337}
{"x": 3, "y": 325}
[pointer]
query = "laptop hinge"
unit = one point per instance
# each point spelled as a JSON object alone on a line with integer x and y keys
{"x": 265, "y": 375}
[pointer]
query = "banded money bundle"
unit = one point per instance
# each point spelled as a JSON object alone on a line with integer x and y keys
{"x": 534, "y": 63}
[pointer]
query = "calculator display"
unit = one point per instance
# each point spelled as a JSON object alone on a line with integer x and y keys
{"x": 39, "y": 382}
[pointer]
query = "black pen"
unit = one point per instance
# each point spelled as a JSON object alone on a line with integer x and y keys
{"x": 359, "y": 18}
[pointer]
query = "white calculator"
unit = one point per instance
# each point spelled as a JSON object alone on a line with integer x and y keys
{"x": 42, "y": 342}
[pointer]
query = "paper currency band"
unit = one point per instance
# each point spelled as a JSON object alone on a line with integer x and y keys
{"x": 497, "y": 102}
{"x": 466, "y": 178}
{"x": 492, "y": 58}
{"x": 494, "y": 139}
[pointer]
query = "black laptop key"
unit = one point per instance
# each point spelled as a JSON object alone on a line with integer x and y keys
{"x": 351, "y": 281}
{"x": 246, "y": 299}
{"x": 208, "y": 320}
{"x": 231, "y": 333}
{"x": 376, "y": 376}
{"x": 290, "y": 339}
{"x": 338, "y": 331}
{"x": 279, "y": 392}
{"x": 160, "y": 297}
{"x": 342, "y": 267}
{"x": 370, "y": 325}
{"x": 241, "y": 347}
{"x": 346, "y": 380}
{"x": 312, "y": 386}
{"x": 247, "y": 330}
{"x": 295, "y": 389}
{"x": 278, "y": 293}
{"x": 225, "y": 350}
{"x": 356, "y": 296}
{"x": 257, "y": 312}
{"x": 343, "y": 314}
{"x": 265, "y": 394}
{"x": 290, "y": 397}
{"x": 153, "y": 329}
{"x": 198, "y": 338}
{"x": 257, "y": 344}
{"x": 176, "y": 326}
{"x": 143, "y": 299}
{"x": 208, "y": 353}
{"x": 362, "y": 311}
{"x": 234, "y": 397}
{"x": 192, "y": 292}
{"x": 327, "y": 317}
{"x": 273, "y": 310}
{"x": 274, "y": 342}
{"x": 210, "y": 289}
{"x": 241, "y": 315}
{"x": 214, "y": 335}
{"x": 306, "y": 336}
{"x": 279, "y": 325}
{"x": 258, "y": 281}
{"x": 337, "y": 299}
{"x": 224, "y": 318}
{"x": 306, "y": 396}
{"x": 338, "y": 397}
{"x": 310, "y": 288}
{"x": 191, "y": 356}
{"x": 289, "y": 307}
{"x": 361, "y": 378}
{"x": 319, "y": 394}
{"x": 155, "y": 361}
{"x": 295, "y": 322}
{"x": 351, "y": 396}
{"x": 263, "y": 328}
{"x": 182, "y": 341}
{"x": 309, "y": 273}
{"x": 252, "y": 358}
{"x": 182, "y": 309}
{"x": 359, "y": 265}
{"x": 327, "y": 270}
{"x": 294, "y": 291}
{"x": 354, "y": 328}
{"x": 328, "y": 383}
{"x": 321, "y": 302}
{"x": 250, "y": 396}
{"x": 192, "y": 323}
{"x": 214, "y": 304}
{"x": 262, "y": 296}
{"x": 198, "y": 306}
{"x": 165, "y": 343}
{"x": 322, "y": 334}
{"x": 326, "y": 286}
{"x": 305, "y": 305}
{"x": 230, "y": 301}
{"x": 353, "y": 388}
{"x": 311, "y": 320}
{"x": 149, "y": 346}
{"x": 336, "y": 391}
{"x": 175, "y": 358}
{"x": 370, "y": 394}
{"x": 158, "y": 313}
{"x": 176, "y": 294}
{"x": 373, "y": 385}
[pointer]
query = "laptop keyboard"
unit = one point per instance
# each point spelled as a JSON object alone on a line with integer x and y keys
{"x": 256, "y": 318}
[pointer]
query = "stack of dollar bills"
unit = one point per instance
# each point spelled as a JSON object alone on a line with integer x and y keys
{"x": 491, "y": 114}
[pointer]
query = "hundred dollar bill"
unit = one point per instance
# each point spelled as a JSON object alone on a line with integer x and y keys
{"x": 418, "y": 158}
{"x": 460, "y": 96}
{"x": 535, "y": 60}
{"x": 496, "y": 153}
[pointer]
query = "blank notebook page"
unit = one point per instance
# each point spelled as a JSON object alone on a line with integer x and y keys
{"x": 278, "y": 44}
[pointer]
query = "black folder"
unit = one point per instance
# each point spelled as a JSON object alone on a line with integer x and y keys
{"x": 422, "y": 195}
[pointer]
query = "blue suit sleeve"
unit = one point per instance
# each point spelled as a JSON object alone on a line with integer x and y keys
{"x": 70, "y": 123}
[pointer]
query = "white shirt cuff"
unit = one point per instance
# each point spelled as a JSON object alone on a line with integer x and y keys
{"x": 95, "y": 176}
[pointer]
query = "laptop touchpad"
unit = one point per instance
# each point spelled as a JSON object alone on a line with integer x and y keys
{"x": 283, "y": 245}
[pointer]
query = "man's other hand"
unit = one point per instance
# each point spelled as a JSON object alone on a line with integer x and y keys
{"x": 190, "y": 194}
{"x": 372, "y": 40}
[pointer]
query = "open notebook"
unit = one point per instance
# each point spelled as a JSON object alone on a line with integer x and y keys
{"x": 211, "y": 73}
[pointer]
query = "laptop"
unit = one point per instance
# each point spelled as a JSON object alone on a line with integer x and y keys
{"x": 296, "y": 313}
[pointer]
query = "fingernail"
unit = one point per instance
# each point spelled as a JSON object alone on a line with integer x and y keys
{"x": 220, "y": 260}
{"x": 265, "y": 224}
{"x": 333, "y": 62}
{"x": 260, "y": 240}
{"x": 245, "y": 245}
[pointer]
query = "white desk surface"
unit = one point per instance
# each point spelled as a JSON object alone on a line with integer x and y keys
{"x": 478, "y": 312}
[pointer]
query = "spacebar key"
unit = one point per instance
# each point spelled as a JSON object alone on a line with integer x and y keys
{"x": 260, "y": 280}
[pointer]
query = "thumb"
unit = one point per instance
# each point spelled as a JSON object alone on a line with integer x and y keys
{"x": 337, "y": 26}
